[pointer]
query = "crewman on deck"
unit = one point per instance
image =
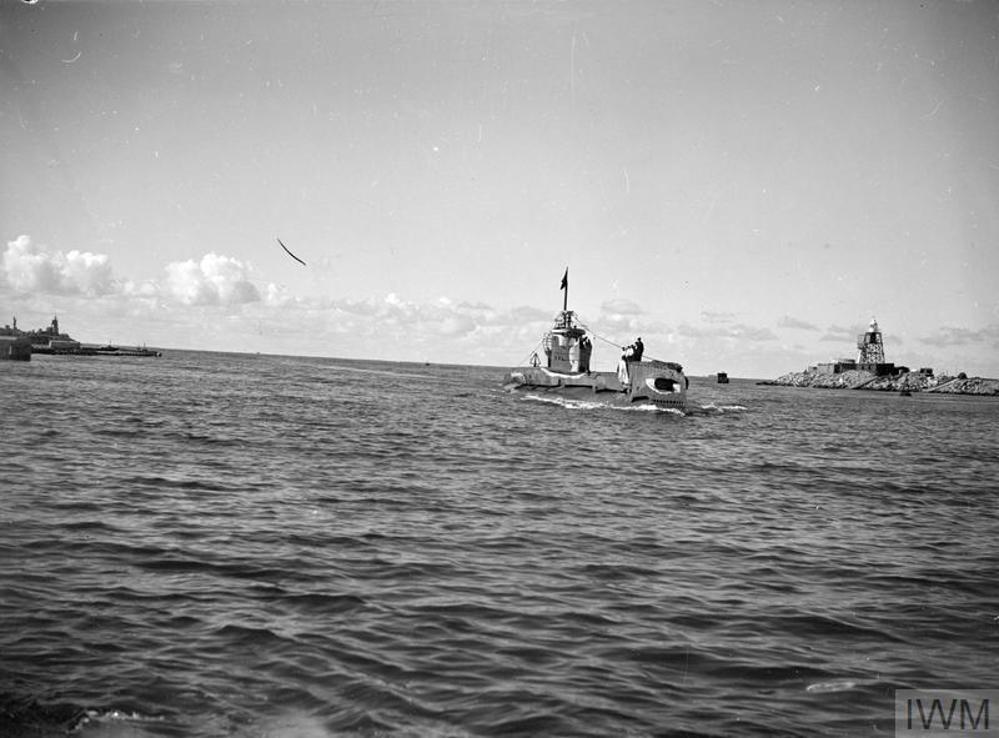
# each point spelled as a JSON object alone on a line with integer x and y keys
{"x": 634, "y": 351}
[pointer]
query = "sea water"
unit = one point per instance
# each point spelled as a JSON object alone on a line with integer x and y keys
{"x": 239, "y": 545}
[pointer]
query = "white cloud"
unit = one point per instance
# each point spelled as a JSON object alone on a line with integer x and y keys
{"x": 275, "y": 318}
{"x": 399, "y": 320}
{"x": 215, "y": 280}
{"x": 456, "y": 325}
{"x": 624, "y": 319}
{"x": 952, "y": 336}
{"x": 277, "y": 296}
{"x": 524, "y": 314}
{"x": 709, "y": 316}
{"x": 146, "y": 290}
{"x": 31, "y": 268}
{"x": 736, "y": 331}
{"x": 789, "y": 322}
{"x": 842, "y": 334}
{"x": 621, "y": 307}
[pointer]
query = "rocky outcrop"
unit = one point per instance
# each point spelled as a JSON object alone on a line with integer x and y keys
{"x": 907, "y": 382}
{"x": 813, "y": 378}
{"x": 969, "y": 386}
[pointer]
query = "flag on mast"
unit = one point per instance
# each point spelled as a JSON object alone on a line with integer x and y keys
{"x": 565, "y": 280}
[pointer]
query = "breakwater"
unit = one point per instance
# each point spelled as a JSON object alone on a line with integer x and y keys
{"x": 906, "y": 381}
{"x": 88, "y": 350}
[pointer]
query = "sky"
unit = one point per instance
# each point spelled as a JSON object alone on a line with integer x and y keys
{"x": 745, "y": 184}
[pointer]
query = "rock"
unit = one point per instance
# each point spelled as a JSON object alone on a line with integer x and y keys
{"x": 969, "y": 386}
{"x": 813, "y": 378}
{"x": 909, "y": 382}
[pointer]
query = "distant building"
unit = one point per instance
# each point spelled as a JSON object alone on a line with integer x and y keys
{"x": 837, "y": 367}
{"x": 8, "y": 331}
{"x": 44, "y": 340}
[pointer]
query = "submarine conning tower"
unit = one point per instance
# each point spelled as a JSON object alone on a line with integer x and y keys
{"x": 567, "y": 346}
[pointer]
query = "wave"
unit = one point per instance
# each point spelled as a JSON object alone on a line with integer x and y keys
{"x": 713, "y": 409}
{"x": 118, "y": 722}
{"x": 836, "y": 685}
{"x": 324, "y": 603}
{"x": 26, "y": 716}
{"x": 570, "y": 404}
{"x": 29, "y": 717}
{"x": 185, "y": 484}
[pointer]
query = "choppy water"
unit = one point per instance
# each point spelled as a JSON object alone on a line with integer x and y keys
{"x": 214, "y": 545}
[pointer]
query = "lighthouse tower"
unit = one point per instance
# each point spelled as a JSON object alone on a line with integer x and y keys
{"x": 872, "y": 348}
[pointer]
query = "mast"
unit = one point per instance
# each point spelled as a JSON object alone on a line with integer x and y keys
{"x": 565, "y": 286}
